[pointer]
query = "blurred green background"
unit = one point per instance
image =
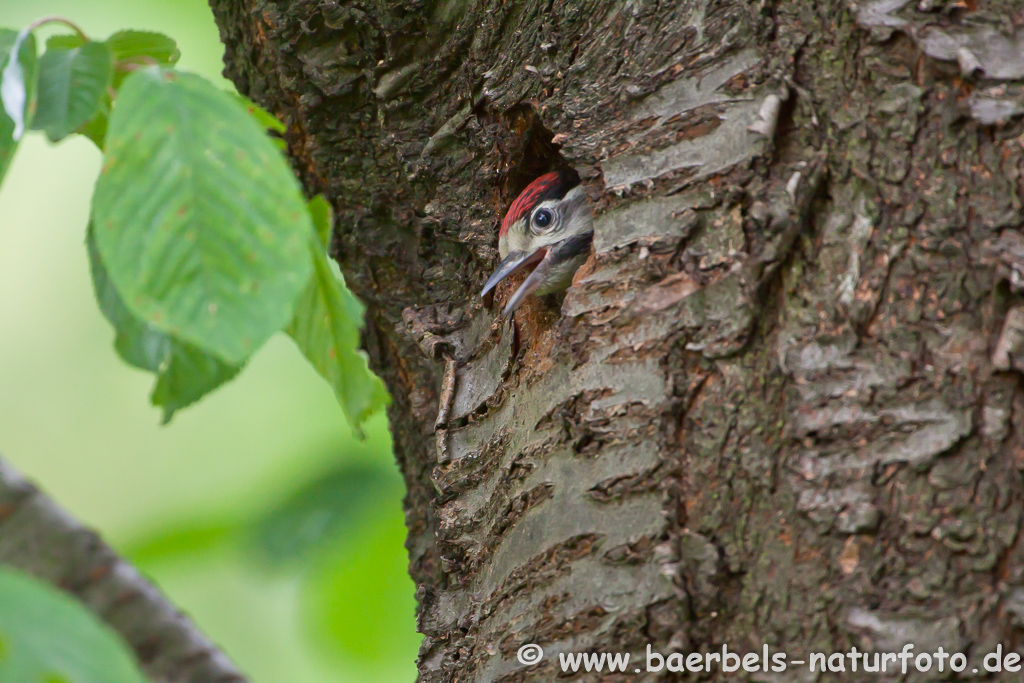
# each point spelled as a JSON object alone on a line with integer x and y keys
{"x": 256, "y": 511}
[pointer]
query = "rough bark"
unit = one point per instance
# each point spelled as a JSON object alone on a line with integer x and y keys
{"x": 781, "y": 403}
{"x": 39, "y": 538}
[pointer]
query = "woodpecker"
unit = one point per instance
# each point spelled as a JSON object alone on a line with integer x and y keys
{"x": 548, "y": 228}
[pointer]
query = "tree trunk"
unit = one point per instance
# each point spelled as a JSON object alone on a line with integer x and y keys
{"x": 780, "y": 404}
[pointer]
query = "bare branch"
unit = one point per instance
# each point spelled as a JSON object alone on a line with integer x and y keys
{"x": 41, "y": 539}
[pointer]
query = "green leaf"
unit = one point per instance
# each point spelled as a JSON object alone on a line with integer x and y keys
{"x": 262, "y": 116}
{"x": 323, "y": 219}
{"x": 190, "y": 374}
{"x": 199, "y": 220}
{"x": 139, "y": 48}
{"x": 333, "y": 508}
{"x": 17, "y": 90}
{"x": 67, "y": 41}
{"x": 96, "y": 128}
{"x": 143, "y": 47}
{"x": 138, "y": 344}
{"x": 46, "y": 635}
{"x": 326, "y": 327}
{"x": 184, "y": 373}
{"x": 72, "y": 86}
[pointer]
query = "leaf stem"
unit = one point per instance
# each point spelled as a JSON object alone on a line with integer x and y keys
{"x": 54, "y": 19}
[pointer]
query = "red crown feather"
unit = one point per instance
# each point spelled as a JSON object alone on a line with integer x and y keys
{"x": 552, "y": 185}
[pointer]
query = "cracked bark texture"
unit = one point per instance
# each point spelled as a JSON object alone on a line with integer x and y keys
{"x": 781, "y": 403}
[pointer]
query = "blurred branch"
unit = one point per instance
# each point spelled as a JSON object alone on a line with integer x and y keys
{"x": 40, "y": 538}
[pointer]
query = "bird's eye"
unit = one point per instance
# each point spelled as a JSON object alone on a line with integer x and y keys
{"x": 542, "y": 218}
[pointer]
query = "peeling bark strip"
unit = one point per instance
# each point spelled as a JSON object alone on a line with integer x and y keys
{"x": 780, "y": 405}
{"x": 41, "y": 539}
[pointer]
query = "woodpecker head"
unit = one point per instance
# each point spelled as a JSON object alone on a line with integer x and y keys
{"x": 548, "y": 229}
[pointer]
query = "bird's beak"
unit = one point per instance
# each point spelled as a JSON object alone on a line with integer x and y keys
{"x": 515, "y": 261}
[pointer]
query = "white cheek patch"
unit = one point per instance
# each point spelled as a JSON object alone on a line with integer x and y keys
{"x": 516, "y": 239}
